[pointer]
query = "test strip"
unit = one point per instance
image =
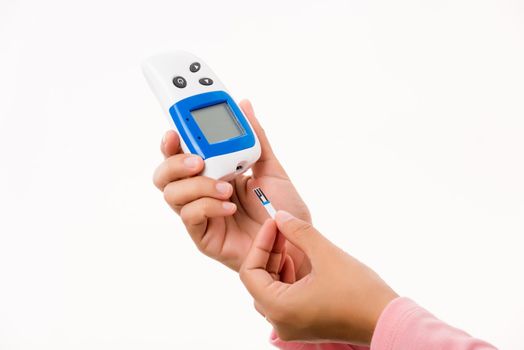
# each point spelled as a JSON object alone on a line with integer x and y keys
{"x": 265, "y": 202}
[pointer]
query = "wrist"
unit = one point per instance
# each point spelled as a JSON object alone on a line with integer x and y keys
{"x": 378, "y": 307}
{"x": 362, "y": 319}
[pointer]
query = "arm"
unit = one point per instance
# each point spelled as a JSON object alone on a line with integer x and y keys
{"x": 405, "y": 325}
{"x": 341, "y": 300}
{"x": 402, "y": 325}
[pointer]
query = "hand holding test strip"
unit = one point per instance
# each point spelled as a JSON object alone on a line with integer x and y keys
{"x": 203, "y": 182}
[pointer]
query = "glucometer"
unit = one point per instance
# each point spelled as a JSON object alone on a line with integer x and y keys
{"x": 208, "y": 120}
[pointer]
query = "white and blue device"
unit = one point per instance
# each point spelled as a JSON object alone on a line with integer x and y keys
{"x": 208, "y": 120}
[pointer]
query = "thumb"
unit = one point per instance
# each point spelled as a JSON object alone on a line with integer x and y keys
{"x": 301, "y": 234}
{"x": 268, "y": 163}
{"x": 247, "y": 108}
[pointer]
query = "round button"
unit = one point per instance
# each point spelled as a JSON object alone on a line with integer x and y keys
{"x": 194, "y": 67}
{"x": 206, "y": 81}
{"x": 179, "y": 82}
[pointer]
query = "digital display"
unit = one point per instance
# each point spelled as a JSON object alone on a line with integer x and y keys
{"x": 217, "y": 122}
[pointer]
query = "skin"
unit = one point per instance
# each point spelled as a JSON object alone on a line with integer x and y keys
{"x": 296, "y": 276}
{"x": 222, "y": 218}
{"x": 340, "y": 299}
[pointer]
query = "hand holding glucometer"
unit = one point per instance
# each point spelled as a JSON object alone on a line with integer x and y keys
{"x": 213, "y": 143}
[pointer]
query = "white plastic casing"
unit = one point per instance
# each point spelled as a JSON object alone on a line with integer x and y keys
{"x": 159, "y": 71}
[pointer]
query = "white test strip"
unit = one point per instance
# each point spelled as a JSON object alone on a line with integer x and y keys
{"x": 265, "y": 202}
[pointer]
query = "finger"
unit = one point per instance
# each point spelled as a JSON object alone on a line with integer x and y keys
{"x": 268, "y": 163}
{"x": 247, "y": 108}
{"x": 253, "y": 272}
{"x": 276, "y": 257}
{"x": 259, "y": 308}
{"x": 181, "y": 192}
{"x": 170, "y": 144}
{"x": 288, "y": 275}
{"x": 196, "y": 214}
{"x": 177, "y": 167}
{"x": 301, "y": 234}
{"x": 284, "y": 252}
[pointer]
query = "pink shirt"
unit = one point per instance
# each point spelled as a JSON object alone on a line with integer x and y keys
{"x": 403, "y": 325}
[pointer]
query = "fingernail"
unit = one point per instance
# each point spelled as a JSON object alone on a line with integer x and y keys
{"x": 283, "y": 216}
{"x": 228, "y": 206}
{"x": 191, "y": 162}
{"x": 223, "y": 187}
{"x": 164, "y": 138}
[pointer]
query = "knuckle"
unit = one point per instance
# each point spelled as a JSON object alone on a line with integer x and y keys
{"x": 197, "y": 187}
{"x": 168, "y": 194}
{"x": 157, "y": 179}
{"x": 168, "y": 197}
{"x": 202, "y": 248}
{"x": 185, "y": 215}
{"x": 258, "y": 308}
{"x": 171, "y": 194}
{"x": 242, "y": 273}
{"x": 302, "y": 229}
{"x": 280, "y": 314}
{"x": 194, "y": 214}
{"x": 204, "y": 206}
{"x": 171, "y": 199}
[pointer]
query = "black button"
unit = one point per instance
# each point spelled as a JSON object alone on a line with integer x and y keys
{"x": 206, "y": 81}
{"x": 194, "y": 67}
{"x": 179, "y": 82}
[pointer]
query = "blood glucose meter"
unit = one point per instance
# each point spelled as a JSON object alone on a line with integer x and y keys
{"x": 209, "y": 122}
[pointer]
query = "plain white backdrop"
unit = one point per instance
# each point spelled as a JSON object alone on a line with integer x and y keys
{"x": 401, "y": 124}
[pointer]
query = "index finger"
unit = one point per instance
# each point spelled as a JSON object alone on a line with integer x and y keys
{"x": 253, "y": 272}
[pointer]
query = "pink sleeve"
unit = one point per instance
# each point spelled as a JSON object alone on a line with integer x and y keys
{"x": 403, "y": 325}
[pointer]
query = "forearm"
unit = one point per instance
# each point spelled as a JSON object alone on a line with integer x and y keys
{"x": 405, "y": 325}
{"x": 402, "y": 325}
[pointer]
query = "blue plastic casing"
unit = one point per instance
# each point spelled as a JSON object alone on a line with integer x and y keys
{"x": 192, "y": 135}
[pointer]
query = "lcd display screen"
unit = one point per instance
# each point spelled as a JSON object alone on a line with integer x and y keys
{"x": 217, "y": 122}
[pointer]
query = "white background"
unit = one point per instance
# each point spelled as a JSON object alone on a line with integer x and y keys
{"x": 401, "y": 123}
